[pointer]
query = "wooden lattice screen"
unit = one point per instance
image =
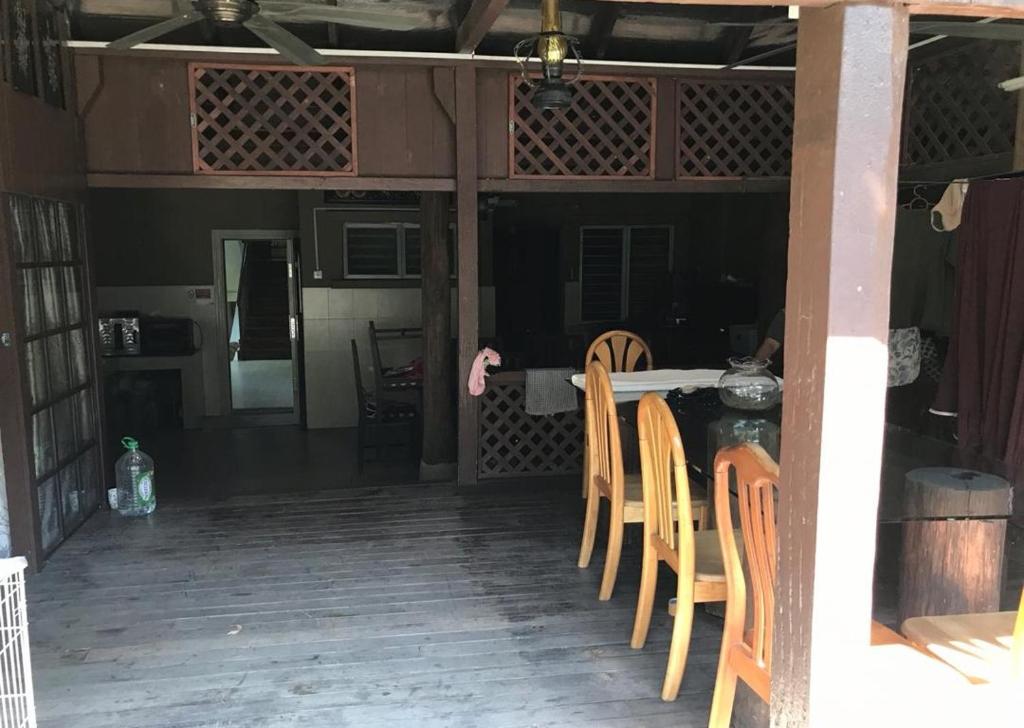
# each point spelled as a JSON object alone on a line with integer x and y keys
{"x": 734, "y": 128}
{"x": 513, "y": 443}
{"x": 955, "y": 110}
{"x": 607, "y": 132}
{"x": 273, "y": 119}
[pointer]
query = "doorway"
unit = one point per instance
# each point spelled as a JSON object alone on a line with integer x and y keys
{"x": 258, "y": 297}
{"x": 528, "y": 294}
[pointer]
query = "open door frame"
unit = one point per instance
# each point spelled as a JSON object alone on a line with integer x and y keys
{"x": 228, "y": 415}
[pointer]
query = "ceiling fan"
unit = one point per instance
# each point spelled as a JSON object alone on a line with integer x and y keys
{"x": 260, "y": 17}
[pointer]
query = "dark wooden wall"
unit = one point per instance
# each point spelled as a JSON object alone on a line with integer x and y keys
{"x": 135, "y": 114}
{"x": 722, "y": 131}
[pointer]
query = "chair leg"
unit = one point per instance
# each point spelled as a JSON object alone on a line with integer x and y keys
{"x": 702, "y": 518}
{"x": 611, "y": 559}
{"x": 589, "y": 527}
{"x": 679, "y": 648}
{"x": 586, "y": 470}
{"x": 725, "y": 693}
{"x": 360, "y": 445}
{"x": 645, "y": 602}
{"x": 725, "y": 680}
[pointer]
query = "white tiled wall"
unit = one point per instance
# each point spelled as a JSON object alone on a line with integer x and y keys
{"x": 334, "y": 316}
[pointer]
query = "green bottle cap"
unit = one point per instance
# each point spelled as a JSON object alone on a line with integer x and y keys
{"x": 130, "y": 442}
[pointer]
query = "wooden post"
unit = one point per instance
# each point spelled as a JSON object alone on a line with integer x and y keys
{"x": 851, "y": 62}
{"x": 469, "y": 276}
{"x": 1018, "y": 135}
{"x": 438, "y": 459}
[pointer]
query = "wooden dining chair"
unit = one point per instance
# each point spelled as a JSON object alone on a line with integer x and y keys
{"x": 605, "y": 476}
{"x": 746, "y": 652}
{"x": 608, "y": 479}
{"x": 985, "y": 648}
{"x": 695, "y": 556}
{"x": 746, "y": 655}
{"x": 618, "y": 351}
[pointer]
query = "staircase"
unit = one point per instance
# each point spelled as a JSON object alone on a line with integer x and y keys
{"x": 263, "y": 303}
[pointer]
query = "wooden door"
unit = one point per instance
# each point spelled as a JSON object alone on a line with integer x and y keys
{"x": 49, "y": 370}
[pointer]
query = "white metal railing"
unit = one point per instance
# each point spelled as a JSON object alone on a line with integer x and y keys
{"x": 17, "y": 702}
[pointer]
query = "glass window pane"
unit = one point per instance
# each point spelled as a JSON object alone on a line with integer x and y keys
{"x": 65, "y": 428}
{"x": 49, "y": 520}
{"x": 42, "y": 442}
{"x": 83, "y": 410}
{"x": 43, "y": 230}
{"x": 53, "y": 309}
{"x": 21, "y": 223}
{"x": 65, "y": 229}
{"x": 371, "y": 251}
{"x": 57, "y": 355}
{"x": 79, "y": 359}
{"x": 72, "y": 295}
{"x": 30, "y": 301}
{"x": 413, "y": 260}
{"x": 88, "y": 479}
{"x": 70, "y": 497}
{"x": 35, "y": 364}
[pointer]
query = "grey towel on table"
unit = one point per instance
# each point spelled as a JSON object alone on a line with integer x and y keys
{"x": 549, "y": 391}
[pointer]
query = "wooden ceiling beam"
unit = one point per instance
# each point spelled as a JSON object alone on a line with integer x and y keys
{"x": 602, "y": 27}
{"x": 973, "y": 8}
{"x": 478, "y": 21}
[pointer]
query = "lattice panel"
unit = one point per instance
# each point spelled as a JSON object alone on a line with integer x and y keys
{"x": 513, "y": 443}
{"x": 273, "y": 120}
{"x": 607, "y": 132}
{"x": 734, "y": 128}
{"x": 956, "y": 111}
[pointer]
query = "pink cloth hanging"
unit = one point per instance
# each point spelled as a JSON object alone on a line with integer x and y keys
{"x": 485, "y": 357}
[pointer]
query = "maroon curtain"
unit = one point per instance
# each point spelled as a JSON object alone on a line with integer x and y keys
{"x": 983, "y": 380}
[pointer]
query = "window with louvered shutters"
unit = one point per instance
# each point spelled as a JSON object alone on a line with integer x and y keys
{"x": 602, "y": 260}
{"x": 371, "y": 251}
{"x": 650, "y": 266}
{"x": 624, "y": 271}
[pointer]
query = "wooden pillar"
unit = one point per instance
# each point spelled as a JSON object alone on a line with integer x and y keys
{"x": 438, "y": 460}
{"x": 851, "y": 62}
{"x": 469, "y": 276}
{"x": 1018, "y": 135}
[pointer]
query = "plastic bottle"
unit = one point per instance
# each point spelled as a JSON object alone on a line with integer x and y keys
{"x": 136, "y": 495}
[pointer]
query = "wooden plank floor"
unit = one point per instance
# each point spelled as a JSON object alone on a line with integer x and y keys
{"x": 398, "y": 606}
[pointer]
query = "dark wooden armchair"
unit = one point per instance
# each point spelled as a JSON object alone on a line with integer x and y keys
{"x": 383, "y": 422}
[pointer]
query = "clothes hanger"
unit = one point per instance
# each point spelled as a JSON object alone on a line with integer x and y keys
{"x": 918, "y": 201}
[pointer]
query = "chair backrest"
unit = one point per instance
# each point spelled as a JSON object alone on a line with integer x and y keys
{"x": 620, "y": 351}
{"x": 757, "y": 481}
{"x": 663, "y": 465}
{"x": 604, "y": 448}
{"x": 360, "y": 390}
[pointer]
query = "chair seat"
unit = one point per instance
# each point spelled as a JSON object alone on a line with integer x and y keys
{"x": 633, "y": 488}
{"x": 975, "y": 645}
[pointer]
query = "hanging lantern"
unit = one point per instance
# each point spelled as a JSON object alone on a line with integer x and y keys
{"x": 551, "y": 47}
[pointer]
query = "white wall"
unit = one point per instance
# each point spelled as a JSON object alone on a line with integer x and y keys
{"x": 334, "y": 316}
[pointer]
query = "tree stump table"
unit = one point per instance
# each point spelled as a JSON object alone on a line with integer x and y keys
{"x": 954, "y": 532}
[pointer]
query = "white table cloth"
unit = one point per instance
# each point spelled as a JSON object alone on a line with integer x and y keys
{"x": 631, "y": 386}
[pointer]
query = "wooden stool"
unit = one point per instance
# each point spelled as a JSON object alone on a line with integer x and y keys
{"x": 953, "y": 539}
